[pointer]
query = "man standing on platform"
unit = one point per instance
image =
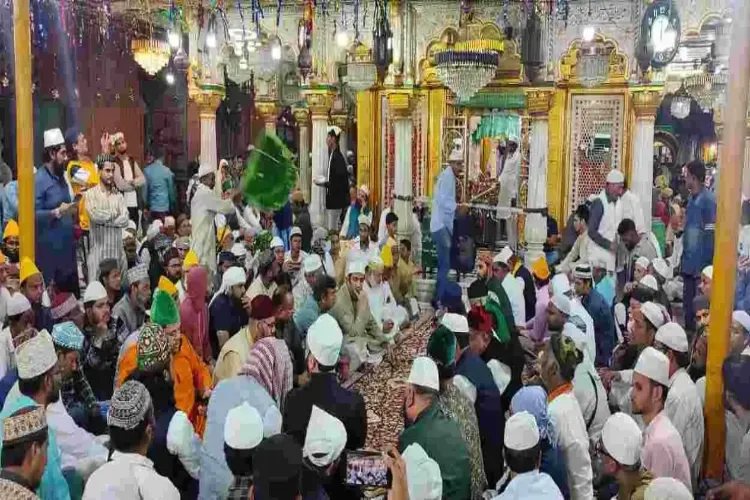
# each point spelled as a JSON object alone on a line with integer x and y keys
{"x": 128, "y": 175}
{"x": 55, "y": 244}
{"x": 508, "y": 180}
{"x": 605, "y": 215}
{"x": 336, "y": 180}
{"x": 443, "y": 213}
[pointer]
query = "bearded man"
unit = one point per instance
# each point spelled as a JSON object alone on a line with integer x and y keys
{"x": 128, "y": 175}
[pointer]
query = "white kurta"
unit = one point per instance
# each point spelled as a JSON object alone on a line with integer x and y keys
{"x": 508, "y": 185}
{"x": 383, "y": 306}
{"x": 203, "y": 208}
{"x": 577, "y": 309}
{"x": 109, "y": 216}
{"x": 613, "y": 214}
{"x": 128, "y": 476}
{"x": 7, "y": 352}
{"x": 515, "y": 295}
{"x": 685, "y": 410}
{"x": 78, "y": 448}
{"x": 591, "y": 397}
{"x": 571, "y": 436}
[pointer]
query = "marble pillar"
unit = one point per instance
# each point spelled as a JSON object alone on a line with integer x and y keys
{"x": 645, "y": 104}
{"x": 535, "y": 229}
{"x": 401, "y": 105}
{"x": 319, "y": 103}
{"x": 208, "y": 102}
{"x": 302, "y": 116}
{"x": 268, "y": 112}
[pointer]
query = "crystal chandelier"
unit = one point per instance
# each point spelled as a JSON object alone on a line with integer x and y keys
{"x": 151, "y": 55}
{"x": 708, "y": 88}
{"x": 592, "y": 66}
{"x": 361, "y": 72}
{"x": 469, "y": 64}
{"x": 680, "y": 107}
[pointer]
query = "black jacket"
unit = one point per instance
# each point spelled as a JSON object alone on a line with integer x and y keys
{"x": 529, "y": 291}
{"x": 337, "y": 193}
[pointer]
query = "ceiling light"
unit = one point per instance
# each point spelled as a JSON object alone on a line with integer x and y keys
{"x": 588, "y": 33}
{"x": 174, "y": 39}
{"x": 276, "y": 50}
{"x": 169, "y": 77}
{"x": 211, "y": 40}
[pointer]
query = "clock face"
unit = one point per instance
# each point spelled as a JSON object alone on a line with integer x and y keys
{"x": 661, "y": 31}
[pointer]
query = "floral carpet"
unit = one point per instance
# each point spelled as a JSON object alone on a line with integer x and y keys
{"x": 382, "y": 387}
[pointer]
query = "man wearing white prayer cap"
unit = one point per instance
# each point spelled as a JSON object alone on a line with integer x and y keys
{"x": 243, "y": 431}
{"x": 707, "y": 277}
{"x": 423, "y": 478}
{"x": 683, "y": 405}
{"x": 508, "y": 192}
{"x": 325, "y": 440}
{"x": 667, "y": 488}
{"x": 523, "y": 456}
{"x": 439, "y": 436}
{"x": 501, "y": 269}
{"x": 605, "y": 214}
{"x": 635, "y": 245}
{"x": 663, "y": 451}
{"x": 739, "y": 332}
{"x": 312, "y": 270}
{"x": 365, "y": 341}
{"x": 560, "y": 285}
{"x": 620, "y": 451}
{"x": 324, "y": 342}
{"x": 20, "y": 317}
{"x": 600, "y": 312}
{"x": 204, "y": 206}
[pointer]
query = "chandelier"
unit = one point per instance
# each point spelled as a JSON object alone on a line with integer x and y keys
{"x": 469, "y": 64}
{"x": 592, "y": 66}
{"x": 680, "y": 107}
{"x": 707, "y": 88}
{"x": 151, "y": 55}
{"x": 361, "y": 72}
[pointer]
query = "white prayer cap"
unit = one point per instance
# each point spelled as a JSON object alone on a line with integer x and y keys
{"x": 667, "y": 488}
{"x": 35, "y": 356}
{"x": 561, "y": 302}
{"x": 457, "y": 153}
{"x": 423, "y": 476}
{"x": 205, "y": 169}
{"x": 521, "y": 431}
{"x": 53, "y": 137}
{"x": 311, "y": 263}
{"x": 243, "y": 427}
{"x": 642, "y": 262}
{"x": 179, "y": 433}
{"x": 673, "y": 336}
{"x": 740, "y": 317}
{"x": 654, "y": 365}
{"x": 708, "y": 272}
{"x": 653, "y": 314}
{"x": 513, "y": 138}
{"x": 324, "y": 339}
{"x": 622, "y": 438}
{"x": 296, "y": 231}
{"x": 615, "y": 177}
{"x": 424, "y": 373}
{"x": 333, "y": 129}
{"x": 235, "y": 275}
{"x": 503, "y": 256}
{"x": 325, "y": 439}
{"x": 132, "y": 226}
{"x": 649, "y": 282}
{"x": 95, "y": 291}
{"x": 560, "y": 284}
{"x": 18, "y": 304}
{"x": 661, "y": 268}
{"x": 465, "y": 387}
{"x": 576, "y": 335}
{"x": 582, "y": 271}
{"x": 455, "y": 323}
{"x": 376, "y": 263}
{"x": 598, "y": 263}
{"x": 239, "y": 250}
{"x": 169, "y": 221}
{"x": 355, "y": 266}
{"x": 276, "y": 242}
{"x": 363, "y": 219}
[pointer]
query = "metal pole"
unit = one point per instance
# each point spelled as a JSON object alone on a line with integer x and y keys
{"x": 726, "y": 234}
{"x": 24, "y": 126}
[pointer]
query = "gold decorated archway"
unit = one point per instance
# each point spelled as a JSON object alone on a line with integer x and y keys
{"x": 618, "y": 63}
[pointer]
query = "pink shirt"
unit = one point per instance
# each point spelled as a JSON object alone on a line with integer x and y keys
{"x": 663, "y": 454}
{"x": 538, "y": 324}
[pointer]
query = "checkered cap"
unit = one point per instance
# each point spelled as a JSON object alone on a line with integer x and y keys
{"x": 129, "y": 405}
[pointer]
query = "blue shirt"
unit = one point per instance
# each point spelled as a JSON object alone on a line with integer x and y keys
{"x": 444, "y": 202}
{"x": 306, "y": 315}
{"x": 606, "y": 288}
{"x": 160, "y": 185}
{"x": 7, "y": 383}
{"x": 53, "y": 485}
{"x": 55, "y": 246}
{"x": 604, "y": 326}
{"x": 215, "y": 476}
{"x": 698, "y": 238}
{"x": 10, "y": 202}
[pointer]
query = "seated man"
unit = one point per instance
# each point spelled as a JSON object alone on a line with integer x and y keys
{"x": 364, "y": 341}
{"x": 321, "y": 301}
{"x": 402, "y": 281}
{"x": 383, "y": 305}
{"x": 312, "y": 267}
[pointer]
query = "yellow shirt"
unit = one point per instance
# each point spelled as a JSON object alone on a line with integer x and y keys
{"x": 387, "y": 254}
{"x": 234, "y": 353}
{"x": 88, "y": 166}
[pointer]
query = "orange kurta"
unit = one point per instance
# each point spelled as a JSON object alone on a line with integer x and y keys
{"x": 191, "y": 379}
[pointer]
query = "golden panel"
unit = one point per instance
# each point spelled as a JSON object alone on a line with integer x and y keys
{"x": 301, "y": 115}
{"x": 555, "y": 155}
{"x": 339, "y": 119}
{"x": 436, "y": 108}
{"x": 400, "y": 104}
{"x": 618, "y": 63}
{"x": 365, "y": 136}
{"x": 267, "y": 110}
{"x": 646, "y": 102}
{"x": 538, "y": 102}
{"x": 208, "y": 101}
{"x": 319, "y": 101}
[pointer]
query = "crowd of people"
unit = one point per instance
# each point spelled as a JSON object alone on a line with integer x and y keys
{"x": 153, "y": 354}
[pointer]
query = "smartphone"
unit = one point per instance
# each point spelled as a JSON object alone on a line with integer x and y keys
{"x": 367, "y": 469}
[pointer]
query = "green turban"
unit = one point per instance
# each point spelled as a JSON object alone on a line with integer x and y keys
{"x": 164, "y": 310}
{"x": 442, "y": 346}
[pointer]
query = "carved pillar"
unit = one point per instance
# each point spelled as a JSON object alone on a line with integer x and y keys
{"x": 645, "y": 104}
{"x": 535, "y": 229}
{"x": 340, "y": 119}
{"x": 268, "y": 112}
{"x": 208, "y": 97}
{"x": 401, "y": 105}
{"x": 319, "y": 103}
{"x": 302, "y": 115}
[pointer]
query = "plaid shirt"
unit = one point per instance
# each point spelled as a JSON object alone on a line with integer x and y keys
{"x": 240, "y": 489}
{"x": 76, "y": 390}
{"x": 101, "y": 352}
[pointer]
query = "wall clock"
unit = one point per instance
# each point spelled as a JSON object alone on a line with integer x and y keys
{"x": 660, "y": 30}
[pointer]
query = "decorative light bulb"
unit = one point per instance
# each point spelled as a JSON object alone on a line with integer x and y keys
{"x": 342, "y": 38}
{"x": 169, "y": 77}
{"x": 276, "y": 51}
{"x": 174, "y": 39}
{"x": 588, "y": 33}
{"x": 211, "y": 40}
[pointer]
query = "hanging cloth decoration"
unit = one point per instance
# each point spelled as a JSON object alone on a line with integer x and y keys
{"x": 270, "y": 174}
{"x": 496, "y": 125}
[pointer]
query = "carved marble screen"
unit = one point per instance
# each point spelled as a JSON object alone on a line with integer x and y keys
{"x": 596, "y": 143}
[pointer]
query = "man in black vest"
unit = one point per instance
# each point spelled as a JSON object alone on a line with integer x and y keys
{"x": 337, "y": 180}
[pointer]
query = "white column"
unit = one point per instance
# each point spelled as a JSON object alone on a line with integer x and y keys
{"x": 400, "y": 106}
{"x": 535, "y": 229}
{"x": 208, "y": 103}
{"x": 268, "y": 113}
{"x": 301, "y": 115}
{"x": 319, "y": 169}
{"x": 642, "y": 180}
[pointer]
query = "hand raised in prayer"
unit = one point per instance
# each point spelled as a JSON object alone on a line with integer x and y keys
{"x": 399, "y": 486}
{"x": 732, "y": 491}
{"x": 104, "y": 142}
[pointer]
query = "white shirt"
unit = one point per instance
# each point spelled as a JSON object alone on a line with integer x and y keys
{"x": 129, "y": 476}
{"x": 7, "y": 352}
{"x": 4, "y": 299}
{"x": 737, "y": 448}
{"x": 515, "y": 295}
{"x": 530, "y": 485}
{"x": 296, "y": 276}
{"x": 587, "y": 386}
{"x": 203, "y": 208}
{"x": 571, "y": 436}
{"x": 75, "y": 443}
{"x": 381, "y": 226}
{"x": 577, "y": 309}
{"x": 685, "y": 410}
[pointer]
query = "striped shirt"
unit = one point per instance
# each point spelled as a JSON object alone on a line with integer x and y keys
{"x": 109, "y": 216}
